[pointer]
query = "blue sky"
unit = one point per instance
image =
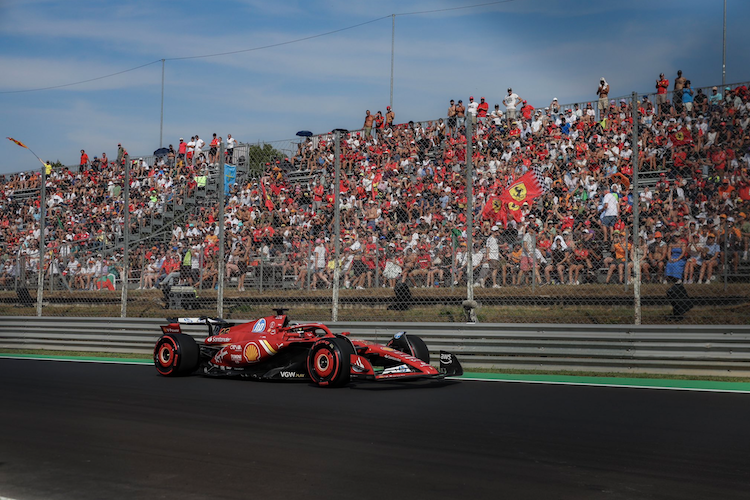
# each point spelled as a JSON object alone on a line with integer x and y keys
{"x": 542, "y": 48}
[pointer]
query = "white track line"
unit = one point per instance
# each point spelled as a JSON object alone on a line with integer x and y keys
{"x": 592, "y": 384}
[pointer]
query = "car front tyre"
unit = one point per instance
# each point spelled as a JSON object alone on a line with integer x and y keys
{"x": 329, "y": 362}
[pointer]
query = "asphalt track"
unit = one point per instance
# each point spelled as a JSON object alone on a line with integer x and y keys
{"x": 84, "y": 430}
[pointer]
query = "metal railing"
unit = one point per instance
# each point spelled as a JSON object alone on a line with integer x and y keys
{"x": 693, "y": 350}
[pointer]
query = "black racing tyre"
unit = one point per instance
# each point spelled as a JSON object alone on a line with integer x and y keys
{"x": 419, "y": 348}
{"x": 176, "y": 354}
{"x": 329, "y": 362}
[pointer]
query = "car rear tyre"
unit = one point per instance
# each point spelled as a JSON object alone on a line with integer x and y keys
{"x": 176, "y": 354}
{"x": 329, "y": 362}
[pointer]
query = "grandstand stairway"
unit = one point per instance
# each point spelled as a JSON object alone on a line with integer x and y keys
{"x": 160, "y": 223}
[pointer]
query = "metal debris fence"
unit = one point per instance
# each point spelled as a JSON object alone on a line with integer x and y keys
{"x": 377, "y": 225}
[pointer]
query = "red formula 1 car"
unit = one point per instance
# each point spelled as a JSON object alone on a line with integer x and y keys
{"x": 271, "y": 348}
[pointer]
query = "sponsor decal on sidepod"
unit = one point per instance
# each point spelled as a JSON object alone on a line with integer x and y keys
{"x": 218, "y": 339}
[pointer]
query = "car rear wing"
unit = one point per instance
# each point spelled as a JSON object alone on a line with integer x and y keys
{"x": 213, "y": 324}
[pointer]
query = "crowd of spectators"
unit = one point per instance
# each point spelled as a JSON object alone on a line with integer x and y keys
{"x": 404, "y": 196}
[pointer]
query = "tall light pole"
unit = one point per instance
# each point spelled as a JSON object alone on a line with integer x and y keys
{"x": 724, "y": 50}
{"x": 393, "y": 41}
{"x": 161, "y": 120}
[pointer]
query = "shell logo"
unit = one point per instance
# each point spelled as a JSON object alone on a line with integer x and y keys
{"x": 252, "y": 353}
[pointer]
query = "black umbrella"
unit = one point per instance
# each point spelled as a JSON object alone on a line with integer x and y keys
{"x": 304, "y": 133}
{"x": 161, "y": 152}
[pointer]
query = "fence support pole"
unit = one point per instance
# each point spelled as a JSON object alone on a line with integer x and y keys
{"x": 42, "y": 241}
{"x": 222, "y": 265}
{"x": 337, "y": 227}
{"x": 125, "y": 239}
{"x": 469, "y": 211}
{"x": 636, "y": 215}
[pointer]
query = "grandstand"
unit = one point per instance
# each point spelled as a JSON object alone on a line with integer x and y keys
{"x": 403, "y": 207}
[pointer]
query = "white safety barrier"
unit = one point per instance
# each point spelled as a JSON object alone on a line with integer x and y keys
{"x": 687, "y": 350}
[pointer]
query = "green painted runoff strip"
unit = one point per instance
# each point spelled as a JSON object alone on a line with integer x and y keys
{"x": 699, "y": 385}
{"x": 140, "y": 361}
{"x": 695, "y": 385}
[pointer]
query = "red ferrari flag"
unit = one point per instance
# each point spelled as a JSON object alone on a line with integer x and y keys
{"x": 18, "y": 142}
{"x": 493, "y": 209}
{"x": 681, "y": 137}
{"x": 523, "y": 190}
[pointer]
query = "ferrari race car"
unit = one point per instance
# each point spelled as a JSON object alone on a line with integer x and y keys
{"x": 271, "y": 348}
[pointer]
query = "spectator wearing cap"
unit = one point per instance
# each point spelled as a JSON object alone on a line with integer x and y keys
{"x": 199, "y": 143}
{"x": 621, "y": 247}
{"x": 529, "y": 261}
{"x": 731, "y": 241}
{"x": 379, "y": 122}
{"x": 711, "y": 255}
{"x": 662, "y": 84}
{"x": 389, "y": 117}
{"x": 231, "y": 143}
{"x": 687, "y": 97}
{"x": 452, "y": 119}
{"x": 527, "y": 111}
{"x": 84, "y": 161}
{"x": 318, "y": 257}
{"x": 460, "y": 114}
{"x": 190, "y": 148}
{"x": 496, "y": 116}
{"x": 471, "y": 109}
{"x": 482, "y": 110}
{"x": 610, "y": 210}
{"x": 511, "y": 101}
{"x": 714, "y": 101}
{"x": 657, "y": 256}
{"x": 492, "y": 250}
{"x": 554, "y": 109}
{"x": 694, "y": 258}
{"x": 213, "y": 151}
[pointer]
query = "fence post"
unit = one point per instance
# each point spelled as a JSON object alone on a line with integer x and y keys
{"x": 309, "y": 266}
{"x": 42, "y": 240}
{"x": 337, "y": 226}
{"x": 222, "y": 264}
{"x": 725, "y": 256}
{"x": 377, "y": 262}
{"x": 125, "y": 240}
{"x": 469, "y": 212}
{"x": 636, "y": 216}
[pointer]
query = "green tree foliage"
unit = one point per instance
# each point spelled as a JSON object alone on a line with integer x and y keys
{"x": 260, "y": 155}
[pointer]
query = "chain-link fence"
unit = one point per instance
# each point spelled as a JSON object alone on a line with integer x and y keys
{"x": 532, "y": 221}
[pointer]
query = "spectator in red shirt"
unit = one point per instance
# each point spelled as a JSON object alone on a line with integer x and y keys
{"x": 482, "y": 109}
{"x": 662, "y": 84}
{"x": 84, "y": 161}
{"x": 213, "y": 152}
{"x": 527, "y": 111}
